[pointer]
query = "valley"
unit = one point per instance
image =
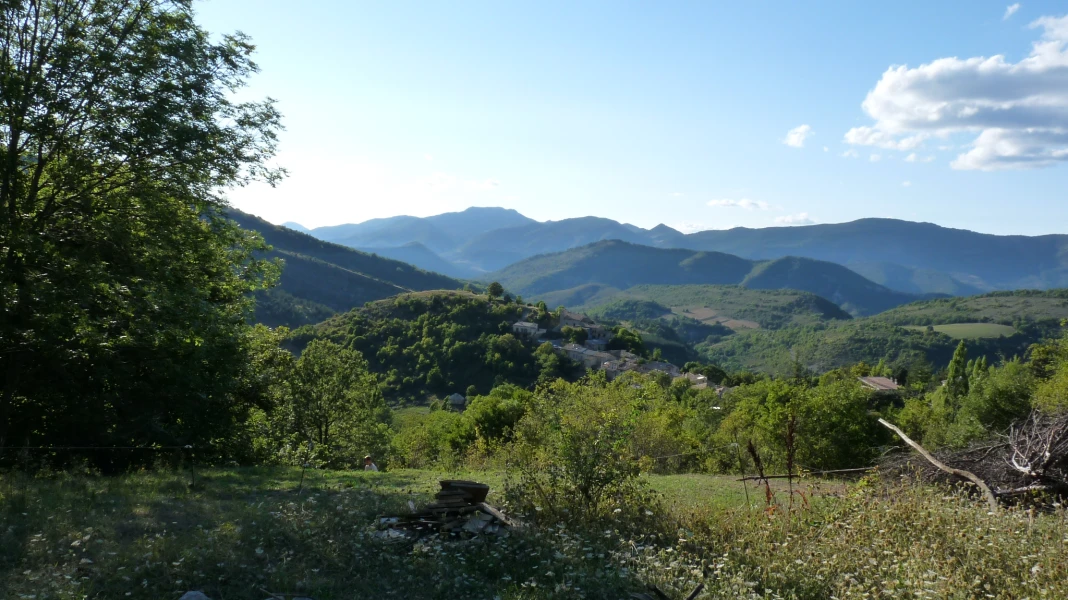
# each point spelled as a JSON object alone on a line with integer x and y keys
{"x": 741, "y": 314}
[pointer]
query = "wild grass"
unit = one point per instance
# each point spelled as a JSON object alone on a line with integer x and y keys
{"x": 244, "y": 533}
{"x": 970, "y": 331}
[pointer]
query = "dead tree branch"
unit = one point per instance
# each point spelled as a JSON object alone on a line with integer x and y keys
{"x": 972, "y": 477}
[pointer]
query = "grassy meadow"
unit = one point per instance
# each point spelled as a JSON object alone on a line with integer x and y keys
{"x": 970, "y": 331}
{"x": 251, "y": 532}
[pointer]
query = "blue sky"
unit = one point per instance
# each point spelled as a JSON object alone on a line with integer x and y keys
{"x": 673, "y": 113}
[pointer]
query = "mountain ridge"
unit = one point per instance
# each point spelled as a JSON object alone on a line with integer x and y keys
{"x": 622, "y": 265}
{"x": 907, "y": 256}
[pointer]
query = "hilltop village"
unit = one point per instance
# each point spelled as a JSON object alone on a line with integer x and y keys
{"x": 581, "y": 339}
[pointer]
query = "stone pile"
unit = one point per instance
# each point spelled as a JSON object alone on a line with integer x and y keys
{"x": 458, "y": 509}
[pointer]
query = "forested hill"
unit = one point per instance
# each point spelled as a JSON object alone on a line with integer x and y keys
{"x": 623, "y": 265}
{"x": 320, "y": 278}
{"x": 440, "y": 343}
{"x": 996, "y": 325}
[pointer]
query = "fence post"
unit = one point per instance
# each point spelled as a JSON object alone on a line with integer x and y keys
{"x": 192, "y": 468}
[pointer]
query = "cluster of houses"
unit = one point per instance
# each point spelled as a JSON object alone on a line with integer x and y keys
{"x": 594, "y": 353}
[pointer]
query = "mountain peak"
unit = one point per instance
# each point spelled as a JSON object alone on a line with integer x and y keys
{"x": 663, "y": 229}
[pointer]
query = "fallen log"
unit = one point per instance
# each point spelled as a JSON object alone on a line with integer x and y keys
{"x": 972, "y": 477}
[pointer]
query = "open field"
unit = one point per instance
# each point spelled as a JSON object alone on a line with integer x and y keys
{"x": 969, "y": 331}
{"x": 246, "y": 533}
{"x": 995, "y": 307}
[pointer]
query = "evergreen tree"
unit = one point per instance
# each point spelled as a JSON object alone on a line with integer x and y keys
{"x": 957, "y": 374}
{"x": 495, "y": 290}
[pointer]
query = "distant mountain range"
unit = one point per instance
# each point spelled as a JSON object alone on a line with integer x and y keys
{"x": 320, "y": 278}
{"x": 622, "y": 265}
{"x": 904, "y": 256}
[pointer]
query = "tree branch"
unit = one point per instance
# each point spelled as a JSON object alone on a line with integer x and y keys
{"x": 972, "y": 477}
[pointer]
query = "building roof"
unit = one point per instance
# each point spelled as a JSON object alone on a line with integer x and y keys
{"x": 525, "y": 324}
{"x": 575, "y": 317}
{"x": 880, "y": 384}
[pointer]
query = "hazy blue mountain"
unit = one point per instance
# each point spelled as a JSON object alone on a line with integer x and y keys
{"x": 419, "y": 255}
{"x": 320, "y": 276}
{"x": 914, "y": 280}
{"x": 902, "y": 255}
{"x": 571, "y": 274}
{"x": 475, "y": 221}
{"x": 978, "y": 260}
{"x": 388, "y": 233}
{"x": 296, "y": 227}
{"x": 496, "y": 249}
{"x": 442, "y": 234}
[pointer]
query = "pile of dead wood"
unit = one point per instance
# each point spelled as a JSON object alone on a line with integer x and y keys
{"x": 460, "y": 508}
{"x": 1030, "y": 460}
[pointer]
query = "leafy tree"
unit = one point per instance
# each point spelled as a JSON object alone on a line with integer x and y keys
{"x": 625, "y": 339}
{"x": 957, "y": 375}
{"x": 495, "y": 290}
{"x": 575, "y": 335}
{"x": 712, "y": 372}
{"x": 337, "y": 405}
{"x": 123, "y": 287}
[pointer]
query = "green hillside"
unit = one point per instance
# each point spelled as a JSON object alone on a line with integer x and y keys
{"x": 621, "y": 265}
{"x": 840, "y": 285}
{"x": 735, "y": 307}
{"x": 999, "y": 324}
{"x": 438, "y": 343}
{"x": 320, "y": 275}
{"x": 1007, "y": 308}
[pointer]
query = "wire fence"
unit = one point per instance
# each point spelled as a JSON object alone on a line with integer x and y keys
{"x": 30, "y": 458}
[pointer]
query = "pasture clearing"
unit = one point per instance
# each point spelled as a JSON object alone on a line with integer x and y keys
{"x": 248, "y": 533}
{"x": 969, "y": 331}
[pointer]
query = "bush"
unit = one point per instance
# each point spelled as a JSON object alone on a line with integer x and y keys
{"x": 574, "y": 461}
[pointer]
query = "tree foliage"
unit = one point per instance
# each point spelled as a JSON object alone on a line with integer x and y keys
{"x": 124, "y": 291}
{"x": 440, "y": 343}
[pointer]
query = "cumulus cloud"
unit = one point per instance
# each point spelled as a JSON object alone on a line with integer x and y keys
{"x": 906, "y": 184}
{"x": 850, "y": 153}
{"x": 1010, "y": 10}
{"x": 796, "y": 136}
{"x": 1018, "y": 112}
{"x": 745, "y": 203}
{"x": 798, "y": 219}
{"x": 917, "y": 158}
{"x": 826, "y": 149}
{"x": 875, "y": 158}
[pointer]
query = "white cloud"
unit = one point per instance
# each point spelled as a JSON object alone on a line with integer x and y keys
{"x": 1018, "y": 112}
{"x": 826, "y": 149}
{"x": 428, "y": 157}
{"x": 917, "y": 158}
{"x": 690, "y": 227}
{"x": 677, "y": 194}
{"x": 745, "y": 203}
{"x": 875, "y": 158}
{"x": 906, "y": 184}
{"x": 796, "y": 136}
{"x": 798, "y": 219}
{"x": 851, "y": 153}
{"x": 1010, "y": 10}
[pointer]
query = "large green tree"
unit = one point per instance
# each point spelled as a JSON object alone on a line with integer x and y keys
{"x": 336, "y": 404}
{"x": 123, "y": 286}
